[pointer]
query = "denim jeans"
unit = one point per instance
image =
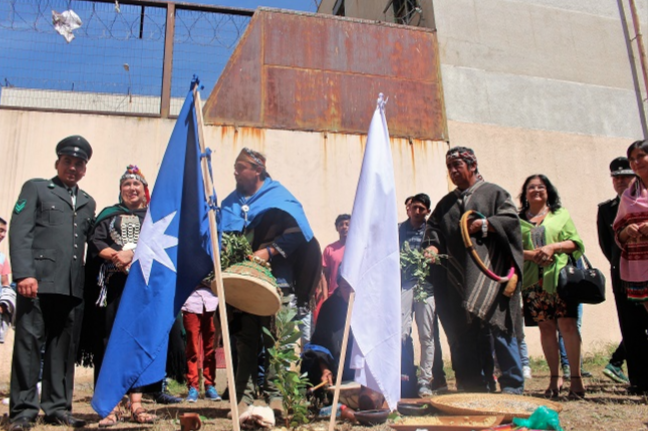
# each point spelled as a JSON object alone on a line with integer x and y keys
{"x": 524, "y": 352}
{"x": 507, "y": 352}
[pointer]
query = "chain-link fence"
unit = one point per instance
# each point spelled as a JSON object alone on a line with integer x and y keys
{"x": 117, "y": 60}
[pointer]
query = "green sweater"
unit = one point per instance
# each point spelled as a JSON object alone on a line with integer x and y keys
{"x": 558, "y": 226}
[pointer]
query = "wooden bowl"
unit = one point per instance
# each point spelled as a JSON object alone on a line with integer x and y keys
{"x": 372, "y": 417}
{"x": 411, "y": 409}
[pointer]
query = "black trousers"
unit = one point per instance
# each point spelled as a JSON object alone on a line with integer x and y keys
{"x": 619, "y": 356}
{"x": 47, "y": 321}
{"x": 633, "y": 320}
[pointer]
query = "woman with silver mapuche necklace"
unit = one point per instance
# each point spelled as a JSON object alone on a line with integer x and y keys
{"x": 111, "y": 248}
{"x": 549, "y": 237}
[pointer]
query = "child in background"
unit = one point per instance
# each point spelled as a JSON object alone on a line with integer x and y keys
{"x": 198, "y": 318}
{"x": 5, "y": 269}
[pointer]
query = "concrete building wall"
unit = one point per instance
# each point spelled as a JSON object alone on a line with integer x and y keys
{"x": 320, "y": 169}
{"x": 539, "y": 86}
{"x": 543, "y": 87}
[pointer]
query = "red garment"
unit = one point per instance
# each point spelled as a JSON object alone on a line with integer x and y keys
{"x": 331, "y": 260}
{"x": 200, "y": 330}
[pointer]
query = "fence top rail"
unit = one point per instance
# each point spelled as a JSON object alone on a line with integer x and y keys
{"x": 182, "y": 5}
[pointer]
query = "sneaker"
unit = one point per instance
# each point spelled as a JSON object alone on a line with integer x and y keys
{"x": 615, "y": 373}
{"x": 424, "y": 391}
{"x": 211, "y": 394}
{"x": 585, "y": 373}
{"x": 513, "y": 391}
{"x": 439, "y": 386}
{"x": 526, "y": 372}
{"x": 164, "y": 398}
{"x": 566, "y": 372}
{"x": 192, "y": 396}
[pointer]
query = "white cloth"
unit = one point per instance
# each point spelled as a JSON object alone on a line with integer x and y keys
{"x": 371, "y": 266}
{"x": 8, "y": 299}
{"x": 66, "y": 22}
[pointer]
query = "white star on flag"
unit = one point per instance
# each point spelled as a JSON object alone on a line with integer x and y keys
{"x": 152, "y": 244}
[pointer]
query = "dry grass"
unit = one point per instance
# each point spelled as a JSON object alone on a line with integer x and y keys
{"x": 606, "y": 407}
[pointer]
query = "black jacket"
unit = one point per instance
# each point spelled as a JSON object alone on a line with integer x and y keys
{"x": 47, "y": 236}
{"x": 607, "y": 212}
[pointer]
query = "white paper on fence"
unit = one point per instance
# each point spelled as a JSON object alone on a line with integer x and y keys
{"x": 66, "y": 22}
{"x": 371, "y": 265}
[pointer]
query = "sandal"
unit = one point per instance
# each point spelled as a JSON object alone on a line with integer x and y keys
{"x": 142, "y": 416}
{"x": 553, "y": 393}
{"x": 576, "y": 395}
{"x": 115, "y": 416}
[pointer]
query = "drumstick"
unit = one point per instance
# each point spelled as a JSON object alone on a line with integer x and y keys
{"x": 314, "y": 388}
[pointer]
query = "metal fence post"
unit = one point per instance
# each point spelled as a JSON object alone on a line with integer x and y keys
{"x": 165, "y": 105}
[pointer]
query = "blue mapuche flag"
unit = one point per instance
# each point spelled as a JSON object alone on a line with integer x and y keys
{"x": 173, "y": 255}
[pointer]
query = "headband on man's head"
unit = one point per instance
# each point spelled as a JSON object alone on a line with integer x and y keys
{"x": 466, "y": 155}
{"x": 254, "y": 157}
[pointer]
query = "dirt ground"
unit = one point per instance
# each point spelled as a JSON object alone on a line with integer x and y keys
{"x": 606, "y": 407}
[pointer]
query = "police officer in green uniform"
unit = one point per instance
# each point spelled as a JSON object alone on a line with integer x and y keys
{"x": 47, "y": 241}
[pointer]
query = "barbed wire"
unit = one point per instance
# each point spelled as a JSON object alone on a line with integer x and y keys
{"x": 117, "y": 51}
{"x": 100, "y": 20}
{"x": 207, "y": 28}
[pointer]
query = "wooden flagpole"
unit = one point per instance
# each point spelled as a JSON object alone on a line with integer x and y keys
{"x": 340, "y": 369}
{"x": 218, "y": 279}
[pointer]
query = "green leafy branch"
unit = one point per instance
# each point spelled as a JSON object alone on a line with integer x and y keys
{"x": 284, "y": 360}
{"x": 415, "y": 263}
{"x": 234, "y": 249}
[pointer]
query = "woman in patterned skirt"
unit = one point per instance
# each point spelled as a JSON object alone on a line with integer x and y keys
{"x": 549, "y": 237}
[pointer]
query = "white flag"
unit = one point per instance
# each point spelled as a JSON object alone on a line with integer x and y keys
{"x": 371, "y": 266}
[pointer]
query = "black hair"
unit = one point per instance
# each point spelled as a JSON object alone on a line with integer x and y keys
{"x": 3, "y": 221}
{"x": 423, "y": 199}
{"x": 553, "y": 199}
{"x": 408, "y": 200}
{"x": 642, "y": 145}
{"x": 339, "y": 219}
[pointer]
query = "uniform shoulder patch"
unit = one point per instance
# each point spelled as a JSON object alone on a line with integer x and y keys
{"x": 20, "y": 205}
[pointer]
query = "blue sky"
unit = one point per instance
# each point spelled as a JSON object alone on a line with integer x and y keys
{"x": 302, "y": 5}
{"x": 33, "y": 55}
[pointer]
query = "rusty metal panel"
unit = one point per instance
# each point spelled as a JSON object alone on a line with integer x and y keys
{"x": 236, "y": 97}
{"x": 343, "y": 45}
{"x": 318, "y": 72}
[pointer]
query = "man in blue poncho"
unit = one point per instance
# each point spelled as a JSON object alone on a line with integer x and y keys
{"x": 274, "y": 223}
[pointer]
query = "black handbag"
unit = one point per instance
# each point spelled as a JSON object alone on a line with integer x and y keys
{"x": 582, "y": 285}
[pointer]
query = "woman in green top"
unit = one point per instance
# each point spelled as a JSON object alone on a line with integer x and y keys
{"x": 549, "y": 237}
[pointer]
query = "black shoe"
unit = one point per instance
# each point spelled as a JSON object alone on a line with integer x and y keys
{"x": 21, "y": 424}
{"x": 164, "y": 398}
{"x": 636, "y": 390}
{"x": 439, "y": 385}
{"x": 64, "y": 418}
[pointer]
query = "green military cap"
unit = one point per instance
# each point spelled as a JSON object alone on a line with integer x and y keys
{"x": 75, "y": 146}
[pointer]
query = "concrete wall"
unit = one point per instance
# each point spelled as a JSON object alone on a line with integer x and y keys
{"x": 539, "y": 86}
{"x": 321, "y": 170}
{"x": 543, "y": 87}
